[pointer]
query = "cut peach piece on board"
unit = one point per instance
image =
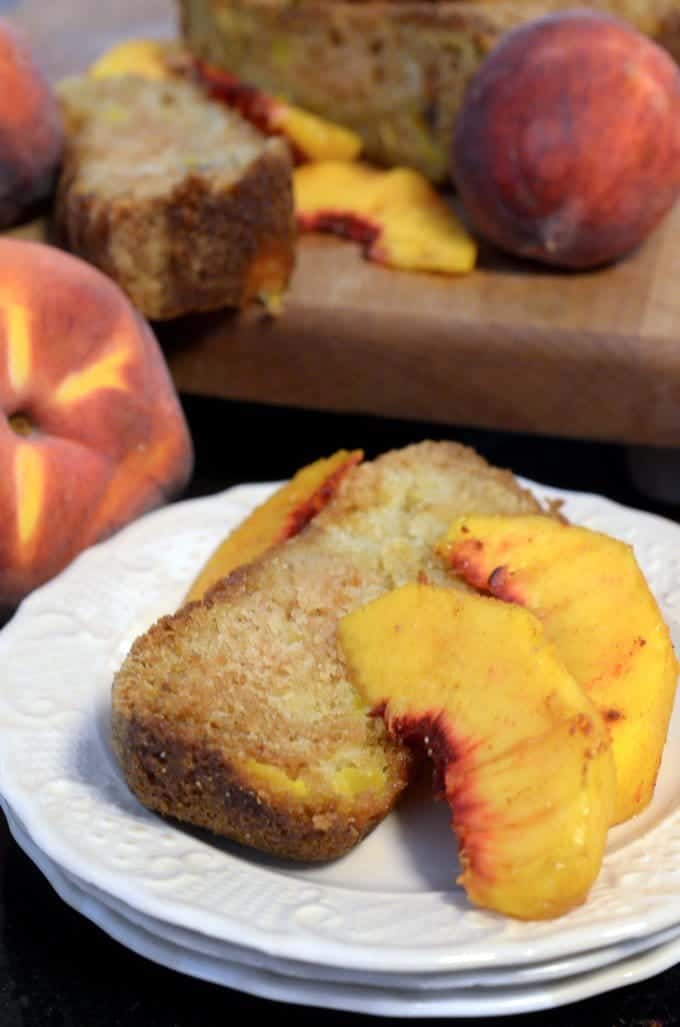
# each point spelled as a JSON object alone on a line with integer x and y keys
{"x": 522, "y": 755}
{"x": 595, "y": 605}
{"x": 283, "y": 515}
{"x": 397, "y": 216}
{"x": 312, "y": 138}
{"x": 147, "y": 58}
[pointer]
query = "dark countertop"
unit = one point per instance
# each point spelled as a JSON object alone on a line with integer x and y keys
{"x": 59, "y": 970}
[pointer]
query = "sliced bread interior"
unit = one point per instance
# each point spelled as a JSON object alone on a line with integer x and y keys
{"x": 174, "y": 196}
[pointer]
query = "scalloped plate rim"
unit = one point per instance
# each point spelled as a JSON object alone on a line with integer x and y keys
{"x": 452, "y": 1002}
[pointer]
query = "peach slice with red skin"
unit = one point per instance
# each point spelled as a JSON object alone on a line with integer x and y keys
{"x": 528, "y": 772}
{"x": 397, "y": 216}
{"x": 283, "y": 515}
{"x": 147, "y": 58}
{"x": 310, "y": 137}
{"x": 594, "y": 603}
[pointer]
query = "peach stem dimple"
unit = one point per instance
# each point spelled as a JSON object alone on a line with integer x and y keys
{"x": 21, "y": 425}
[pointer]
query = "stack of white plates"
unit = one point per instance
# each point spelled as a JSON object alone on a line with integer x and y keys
{"x": 384, "y": 930}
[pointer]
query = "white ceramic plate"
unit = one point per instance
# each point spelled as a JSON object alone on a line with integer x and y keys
{"x": 391, "y": 905}
{"x": 389, "y": 1000}
{"x": 200, "y": 945}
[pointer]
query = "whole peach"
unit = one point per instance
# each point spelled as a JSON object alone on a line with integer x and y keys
{"x": 567, "y": 145}
{"x": 31, "y": 133}
{"x": 92, "y": 433}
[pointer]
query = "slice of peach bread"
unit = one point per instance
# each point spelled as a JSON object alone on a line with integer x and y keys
{"x": 236, "y": 713}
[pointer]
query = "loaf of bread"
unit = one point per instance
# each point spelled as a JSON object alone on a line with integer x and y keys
{"x": 178, "y": 199}
{"x": 394, "y": 71}
{"x": 236, "y": 713}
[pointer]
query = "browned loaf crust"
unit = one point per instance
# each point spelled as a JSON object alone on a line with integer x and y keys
{"x": 178, "y": 199}
{"x": 236, "y": 714}
{"x": 395, "y": 72}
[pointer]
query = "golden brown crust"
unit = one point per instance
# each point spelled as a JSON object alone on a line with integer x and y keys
{"x": 195, "y": 784}
{"x": 201, "y": 238}
{"x": 176, "y": 766}
{"x": 394, "y": 71}
{"x": 220, "y": 703}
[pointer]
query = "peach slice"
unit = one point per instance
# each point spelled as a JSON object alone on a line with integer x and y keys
{"x": 147, "y": 58}
{"x": 311, "y": 137}
{"x": 520, "y": 752}
{"x": 595, "y": 605}
{"x": 283, "y": 515}
{"x": 397, "y": 216}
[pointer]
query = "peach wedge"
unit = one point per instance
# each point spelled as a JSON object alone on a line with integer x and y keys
{"x": 595, "y": 605}
{"x": 397, "y": 216}
{"x": 520, "y": 752}
{"x": 281, "y": 516}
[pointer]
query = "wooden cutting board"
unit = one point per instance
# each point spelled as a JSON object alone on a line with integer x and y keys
{"x": 509, "y": 346}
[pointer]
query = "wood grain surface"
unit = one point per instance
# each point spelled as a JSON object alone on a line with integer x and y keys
{"x": 510, "y": 346}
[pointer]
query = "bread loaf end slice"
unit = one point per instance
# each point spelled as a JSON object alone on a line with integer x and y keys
{"x": 174, "y": 196}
